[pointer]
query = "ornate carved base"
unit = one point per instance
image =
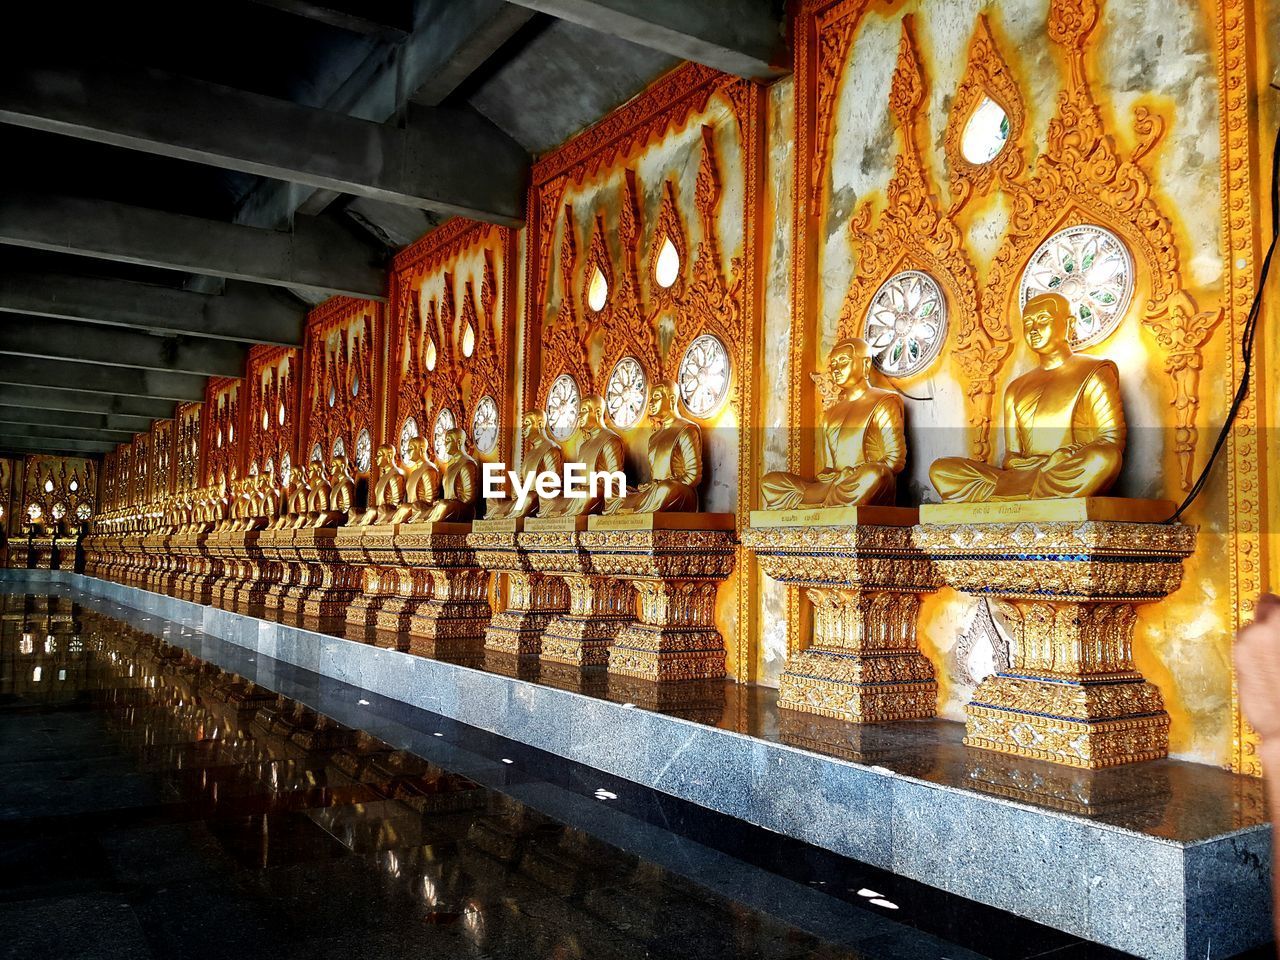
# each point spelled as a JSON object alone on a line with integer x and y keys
{"x": 599, "y": 607}
{"x": 1066, "y": 592}
{"x": 864, "y": 580}
{"x": 509, "y": 664}
{"x": 676, "y": 563}
{"x": 534, "y": 600}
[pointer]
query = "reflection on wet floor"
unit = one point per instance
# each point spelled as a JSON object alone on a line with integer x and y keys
{"x": 155, "y": 804}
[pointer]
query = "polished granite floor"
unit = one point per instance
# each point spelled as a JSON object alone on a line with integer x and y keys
{"x": 153, "y": 803}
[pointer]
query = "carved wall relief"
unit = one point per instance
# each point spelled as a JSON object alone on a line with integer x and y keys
{"x": 273, "y": 428}
{"x": 187, "y": 451}
{"x": 341, "y": 389}
{"x": 223, "y": 433}
{"x": 452, "y": 326}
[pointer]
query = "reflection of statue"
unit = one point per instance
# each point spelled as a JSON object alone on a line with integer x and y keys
{"x": 388, "y": 492}
{"x": 542, "y": 454}
{"x": 675, "y": 461}
{"x": 863, "y": 443}
{"x": 422, "y": 483}
{"x": 461, "y": 481}
{"x": 1064, "y": 425}
{"x": 601, "y": 451}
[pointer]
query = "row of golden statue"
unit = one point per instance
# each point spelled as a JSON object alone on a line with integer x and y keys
{"x": 629, "y": 583}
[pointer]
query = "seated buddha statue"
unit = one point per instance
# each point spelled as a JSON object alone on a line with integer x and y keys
{"x": 292, "y": 502}
{"x": 864, "y": 444}
{"x": 460, "y": 483}
{"x": 341, "y": 494}
{"x": 259, "y": 491}
{"x": 270, "y": 500}
{"x": 388, "y": 492}
{"x": 421, "y": 485}
{"x": 601, "y": 451}
{"x": 1063, "y": 422}
{"x": 675, "y": 461}
{"x": 317, "y": 501}
{"x": 541, "y": 453}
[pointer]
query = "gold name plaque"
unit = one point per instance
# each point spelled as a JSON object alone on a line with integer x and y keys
{"x": 555, "y": 524}
{"x": 836, "y": 517}
{"x": 498, "y": 525}
{"x": 1069, "y": 510}
{"x": 663, "y": 521}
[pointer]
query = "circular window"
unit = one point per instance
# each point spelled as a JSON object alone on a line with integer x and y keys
{"x": 84, "y": 511}
{"x": 270, "y": 467}
{"x": 407, "y": 433}
{"x": 339, "y": 448}
{"x": 59, "y": 511}
{"x": 444, "y": 423}
{"x": 667, "y": 269}
{"x": 597, "y": 291}
{"x": 317, "y": 454}
{"x": 1092, "y": 268}
{"x": 253, "y": 469}
{"x": 704, "y": 375}
{"x": 906, "y": 323}
{"x": 280, "y": 414}
{"x": 985, "y": 134}
{"x": 34, "y": 512}
{"x": 364, "y": 451}
{"x": 286, "y": 469}
{"x": 626, "y": 392}
{"x": 484, "y": 425}
{"x": 429, "y": 355}
{"x": 562, "y": 407}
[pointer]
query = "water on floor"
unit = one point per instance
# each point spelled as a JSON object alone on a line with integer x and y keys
{"x": 166, "y": 794}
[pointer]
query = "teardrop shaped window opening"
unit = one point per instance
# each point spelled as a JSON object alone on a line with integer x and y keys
{"x": 598, "y": 291}
{"x": 667, "y": 270}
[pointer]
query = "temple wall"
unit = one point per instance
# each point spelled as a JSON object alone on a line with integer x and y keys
{"x": 793, "y": 197}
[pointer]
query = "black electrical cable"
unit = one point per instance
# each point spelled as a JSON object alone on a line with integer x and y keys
{"x": 1247, "y": 337}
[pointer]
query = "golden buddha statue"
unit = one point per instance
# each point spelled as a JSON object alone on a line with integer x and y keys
{"x": 341, "y": 494}
{"x": 388, "y": 492}
{"x": 601, "y": 450}
{"x": 675, "y": 461}
{"x": 317, "y": 496}
{"x": 461, "y": 481}
{"x": 270, "y": 499}
{"x": 1064, "y": 424}
{"x": 541, "y": 454}
{"x": 292, "y": 503}
{"x": 422, "y": 484}
{"x": 864, "y": 444}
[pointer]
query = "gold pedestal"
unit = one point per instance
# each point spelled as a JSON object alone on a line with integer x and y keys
{"x": 864, "y": 578}
{"x": 441, "y": 599}
{"x": 1066, "y": 591}
{"x": 533, "y": 598}
{"x": 597, "y": 607}
{"x": 257, "y": 575}
{"x": 333, "y": 583}
{"x": 676, "y": 562}
{"x": 43, "y": 553}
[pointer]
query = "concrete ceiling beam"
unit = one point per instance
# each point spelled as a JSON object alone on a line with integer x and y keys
{"x": 315, "y": 257}
{"x": 90, "y": 378}
{"x": 742, "y": 37}
{"x": 250, "y": 313}
{"x": 26, "y": 336}
{"x": 137, "y": 412}
{"x": 385, "y": 20}
{"x": 10, "y": 443}
{"x": 101, "y": 422}
{"x": 429, "y": 161}
{"x": 50, "y": 431}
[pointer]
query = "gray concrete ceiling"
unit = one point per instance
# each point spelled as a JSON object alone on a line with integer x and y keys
{"x": 185, "y": 179}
